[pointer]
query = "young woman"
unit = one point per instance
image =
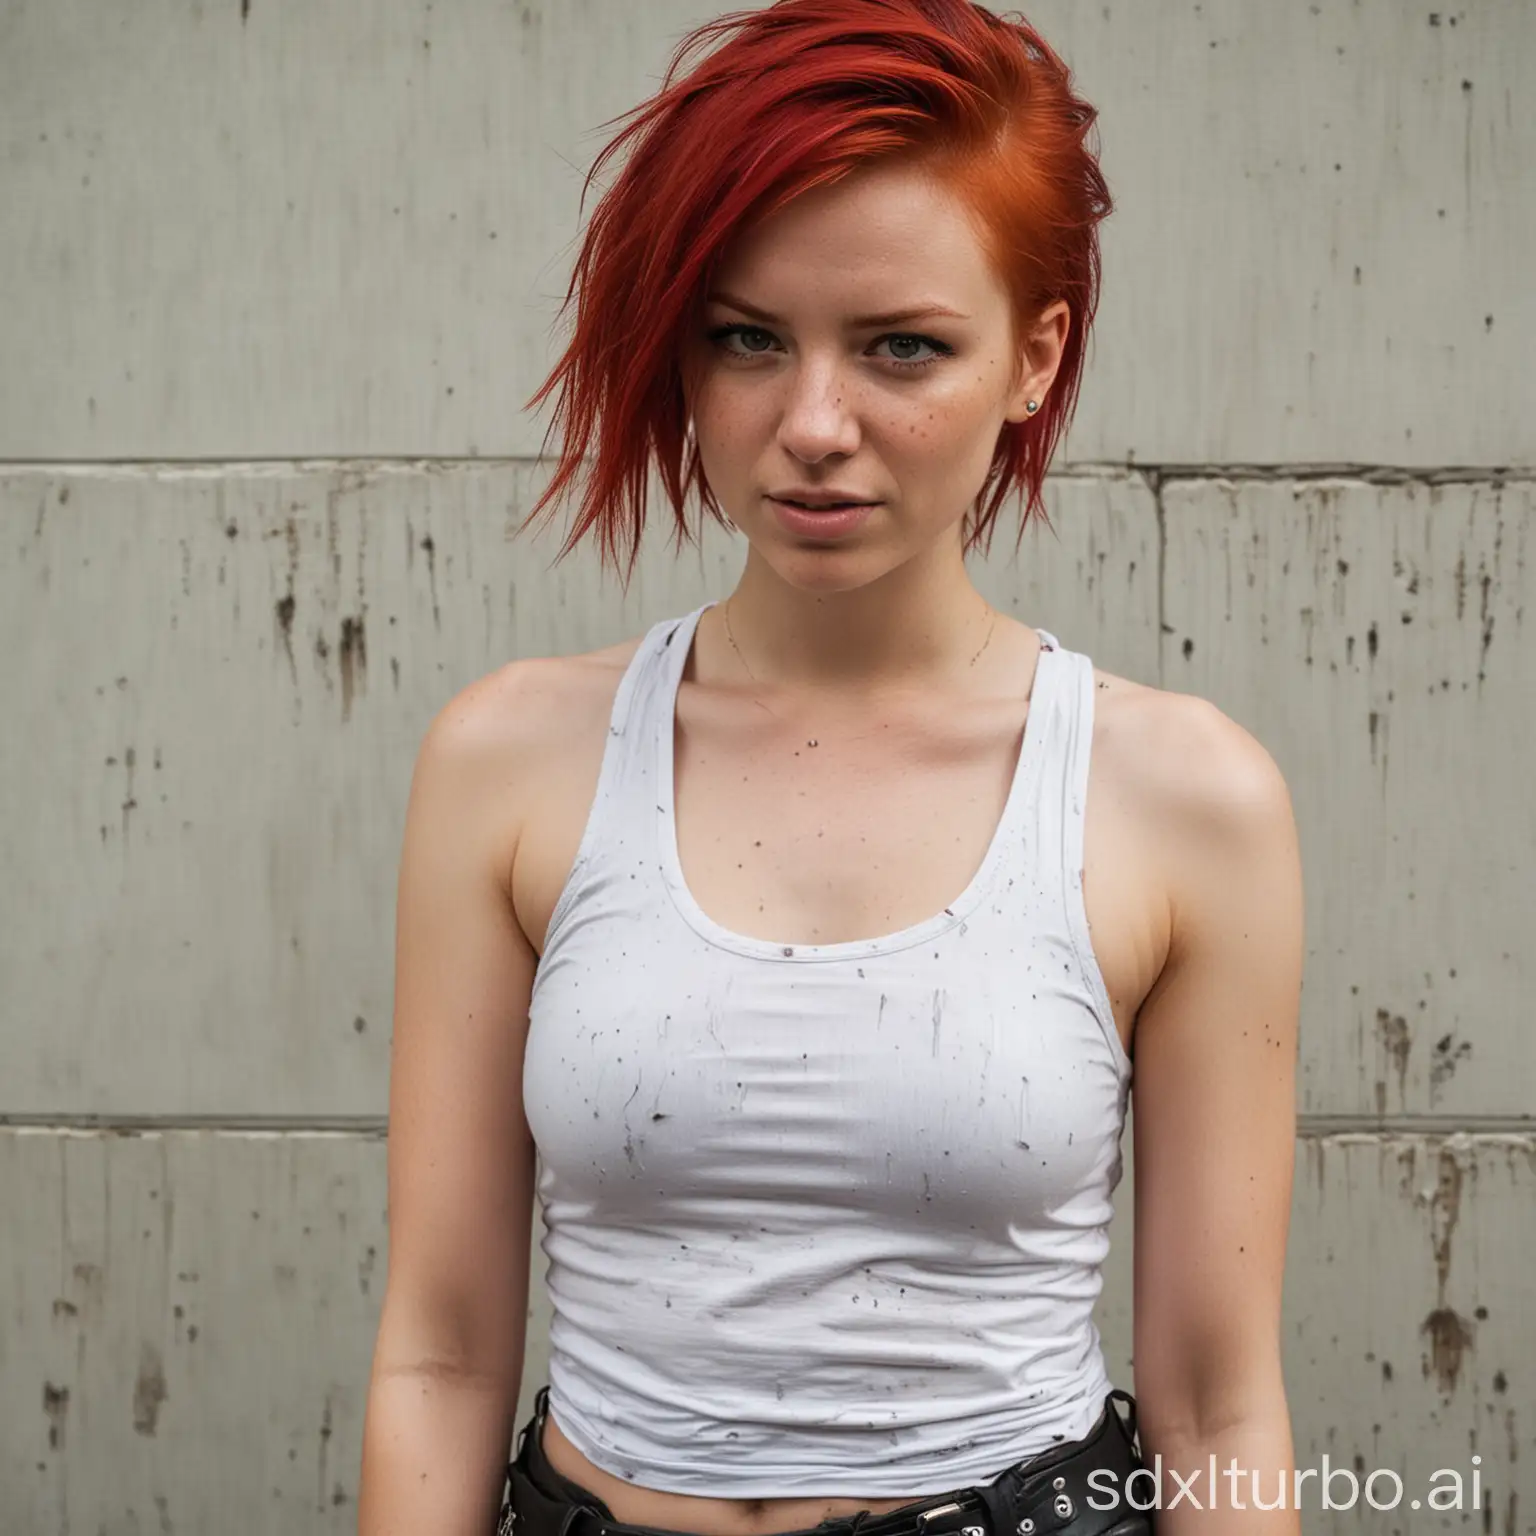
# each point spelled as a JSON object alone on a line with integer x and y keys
{"x": 809, "y": 936}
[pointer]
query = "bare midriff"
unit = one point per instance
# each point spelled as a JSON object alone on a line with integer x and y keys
{"x": 689, "y": 1512}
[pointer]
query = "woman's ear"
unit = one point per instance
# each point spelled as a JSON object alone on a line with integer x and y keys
{"x": 1038, "y": 360}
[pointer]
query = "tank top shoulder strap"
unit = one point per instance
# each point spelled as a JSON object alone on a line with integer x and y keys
{"x": 616, "y": 838}
{"x": 1059, "y": 813}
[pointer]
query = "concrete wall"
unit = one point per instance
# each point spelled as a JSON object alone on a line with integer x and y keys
{"x": 274, "y": 282}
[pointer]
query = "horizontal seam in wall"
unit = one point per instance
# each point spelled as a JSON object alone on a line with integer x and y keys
{"x": 1309, "y": 1127}
{"x": 1368, "y": 473}
{"x": 364, "y": 1126}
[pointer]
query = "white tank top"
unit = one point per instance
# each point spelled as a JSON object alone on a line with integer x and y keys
{"x": 824, "y": 1218}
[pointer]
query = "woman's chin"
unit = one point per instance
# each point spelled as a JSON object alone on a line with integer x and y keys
{"x": 827, "y": 570}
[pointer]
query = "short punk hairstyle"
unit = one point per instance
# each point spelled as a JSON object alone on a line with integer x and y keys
{"x": 799, "y": 95}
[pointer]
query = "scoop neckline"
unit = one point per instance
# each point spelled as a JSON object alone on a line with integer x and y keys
{"x": 676, "y": 649}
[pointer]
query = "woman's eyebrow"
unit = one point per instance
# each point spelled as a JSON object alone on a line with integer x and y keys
{"x": 859, "y": 322}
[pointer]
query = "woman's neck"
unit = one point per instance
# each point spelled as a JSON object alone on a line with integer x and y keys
{"x": 921, "y": 625}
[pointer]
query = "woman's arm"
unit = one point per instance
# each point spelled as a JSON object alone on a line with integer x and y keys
{"x": 447, "y": 1365}
{"x": 1215, "y": 1126}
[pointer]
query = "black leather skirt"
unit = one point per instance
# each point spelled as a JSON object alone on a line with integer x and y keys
{"x": 1075, "y": 1489}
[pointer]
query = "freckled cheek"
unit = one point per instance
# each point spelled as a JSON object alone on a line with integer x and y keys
{"x": 728, "y": 416}
{"x": 724, "y": 429}
{"x": 946, "y": 421}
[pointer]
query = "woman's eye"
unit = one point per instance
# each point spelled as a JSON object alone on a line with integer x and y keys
{"x": 725, "y": 332}
{"x": 901, "y": 353}
{"x": 906, "y": 349}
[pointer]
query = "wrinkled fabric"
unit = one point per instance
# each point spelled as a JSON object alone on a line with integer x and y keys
{"x": 824, "y": 1218}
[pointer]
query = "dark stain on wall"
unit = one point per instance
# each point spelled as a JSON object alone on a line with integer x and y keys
{"x": 149, "y": 1391}
{"x": 353, "y": 656}
{"x": 56, "y": 1407}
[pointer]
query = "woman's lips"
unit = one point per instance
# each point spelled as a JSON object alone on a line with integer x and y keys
{"x": 821, "y": 522}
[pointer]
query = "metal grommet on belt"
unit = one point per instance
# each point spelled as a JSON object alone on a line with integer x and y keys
{"x": 1026, "y": 1526}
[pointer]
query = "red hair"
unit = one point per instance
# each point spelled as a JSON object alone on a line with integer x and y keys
{"x": 796, "y": 96}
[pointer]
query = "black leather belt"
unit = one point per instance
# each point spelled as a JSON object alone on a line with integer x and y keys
{"x": 1046, "y": 1495}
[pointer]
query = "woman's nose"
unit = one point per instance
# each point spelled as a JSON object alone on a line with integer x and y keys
{"x": 818, "y": 417}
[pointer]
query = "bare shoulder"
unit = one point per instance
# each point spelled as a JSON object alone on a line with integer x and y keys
{"x": 499, "y": 742}
{"x": 530, "y": 708}
{"x": 1200, "y": 806}
{"x": 1182, "y": 753}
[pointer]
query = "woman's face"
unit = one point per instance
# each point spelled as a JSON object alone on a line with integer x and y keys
{"x": 857, "y": 344}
